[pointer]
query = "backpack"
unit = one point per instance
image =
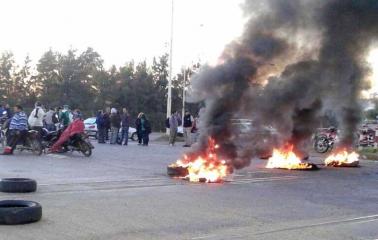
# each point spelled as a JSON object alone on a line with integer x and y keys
{"x": 167, "y": 125}
{"x": 36, "y": 113}
{"x": 54, "y": 119}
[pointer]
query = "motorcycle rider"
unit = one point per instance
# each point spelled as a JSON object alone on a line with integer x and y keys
{"x": 18, "y": 128}
{"x": 77, "y": 126}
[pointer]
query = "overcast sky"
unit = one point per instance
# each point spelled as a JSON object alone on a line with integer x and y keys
{"x": 120, "y": 30}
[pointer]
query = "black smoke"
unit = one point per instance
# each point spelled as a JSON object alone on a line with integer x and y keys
{"x": 295, "y": 62}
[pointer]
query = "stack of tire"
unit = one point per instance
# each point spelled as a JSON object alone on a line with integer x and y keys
{"x": 14, "y": 212}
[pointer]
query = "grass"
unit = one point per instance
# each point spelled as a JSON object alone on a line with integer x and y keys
{"x": 369, "y": 153}
{"x": 165, "y": 138}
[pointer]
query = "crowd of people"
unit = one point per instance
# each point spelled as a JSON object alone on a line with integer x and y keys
{"x": 112, "y": 125}
{"x": 190, "y": 130}
{"x": 17, "y": 122}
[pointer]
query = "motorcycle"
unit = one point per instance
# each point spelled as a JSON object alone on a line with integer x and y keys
{"x": 30, "y": 142}
{"x": 325, "y": 140}
{"x": 3, "y": 126}
{"x": 78, "y": 142}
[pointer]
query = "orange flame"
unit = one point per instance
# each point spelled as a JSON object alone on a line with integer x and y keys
{"x": 286, "y": 158}
{"x": 208, "y": 168}
{"x": 342, "y": 157}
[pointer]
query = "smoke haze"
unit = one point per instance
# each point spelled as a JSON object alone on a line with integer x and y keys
{"x": 295, "y": 61}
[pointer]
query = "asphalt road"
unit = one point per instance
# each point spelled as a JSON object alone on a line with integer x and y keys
{"x": 124, "y": 193}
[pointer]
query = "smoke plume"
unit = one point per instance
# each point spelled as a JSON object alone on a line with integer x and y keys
{"x": 295, "y": 61}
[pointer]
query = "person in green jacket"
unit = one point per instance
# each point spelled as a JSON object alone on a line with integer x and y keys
{"x": 64, "y": 116}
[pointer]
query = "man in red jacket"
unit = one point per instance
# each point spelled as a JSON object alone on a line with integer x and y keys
{"x": 77, "y": 126}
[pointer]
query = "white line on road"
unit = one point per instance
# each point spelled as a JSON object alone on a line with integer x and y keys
{"x": 204, "y": 237}
{"x": 356, "y": 220}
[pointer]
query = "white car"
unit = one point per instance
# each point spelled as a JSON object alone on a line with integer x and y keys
{"x": 91, "y": 129}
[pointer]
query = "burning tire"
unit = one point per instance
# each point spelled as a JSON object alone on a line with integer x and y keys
{"x": 13, "y": 212}
{"x": 177, "y": 171}
{"x": 18, "y": 185}
{"x": 338, "y": 164}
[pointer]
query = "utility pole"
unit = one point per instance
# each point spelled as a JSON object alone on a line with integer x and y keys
{"x": 183, "y": 96}
{"x": 169, "y": 98}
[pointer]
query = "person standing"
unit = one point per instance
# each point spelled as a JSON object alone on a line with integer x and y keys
{"x": 50, "y": 120}
{"x": 64, "y": 116}
{"x": 107, "y": 124}
{"x": 115, "y": 125}
{"x": 188, "y": 126}
{"x": 125, "y": 127}
{"x": 100, "y": 127}
{"x": 145, "y": 129}
{"x": 173, "y": 127}
{"x": 18, "y": 129}
{"x": 36, "y": 118}
{"x": 138, "y": 126}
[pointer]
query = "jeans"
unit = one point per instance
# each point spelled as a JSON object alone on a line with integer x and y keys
{"x": 114, "y": 135}
{"x": 125, "y": 136}
{"x": 14, "y": 136}
{"x": 139, "y": 134}
{"x": 101, "y": 134}
{"x": 145, "y": 138}
{"x": 51, "y": 127}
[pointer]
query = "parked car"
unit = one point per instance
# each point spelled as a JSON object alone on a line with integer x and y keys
{"x": 91, "y": 129}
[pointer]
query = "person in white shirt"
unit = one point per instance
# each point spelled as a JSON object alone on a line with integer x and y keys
{"x": 36, "y": 118}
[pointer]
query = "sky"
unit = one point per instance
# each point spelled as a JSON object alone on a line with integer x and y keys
{"x": 120, "y": 30}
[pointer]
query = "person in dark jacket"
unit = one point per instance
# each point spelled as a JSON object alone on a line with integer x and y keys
{"x": 100, "y": 127}
{"x": 107, "y": 126}
{"x": 115, "y": 125}
{"x": 125, "y": 127}
{"x": 145, "y": 127}
{"x": 138, "y": 126}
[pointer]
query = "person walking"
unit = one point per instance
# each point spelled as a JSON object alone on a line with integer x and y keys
{"x": 145, "y": 129}
{"x": 173, "y": 127}
{"x": 125, "y": 121}
{"x": 115, "y": 125}
{"x": 18, "y": 128}
{"x": 138, "y": 126}
{"x": 188, "y": 126}
{"x": 36, "y": 118}
{"x": 100, "y": 127}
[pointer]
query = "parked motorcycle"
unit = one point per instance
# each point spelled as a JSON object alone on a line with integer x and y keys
{"x": 325, "y": 139}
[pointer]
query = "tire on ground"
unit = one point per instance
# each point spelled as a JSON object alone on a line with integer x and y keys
{"x": 13, "y": 212}
{"x": 18, "y": 185}
{"x": 177, "y": 171}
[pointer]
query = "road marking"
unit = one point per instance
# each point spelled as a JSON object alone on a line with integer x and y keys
{"x": 204, "y": 237}
{"x": 255, "y": 180}
{"x": 356, "y": 220}
{"x": 57, "y": 156}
